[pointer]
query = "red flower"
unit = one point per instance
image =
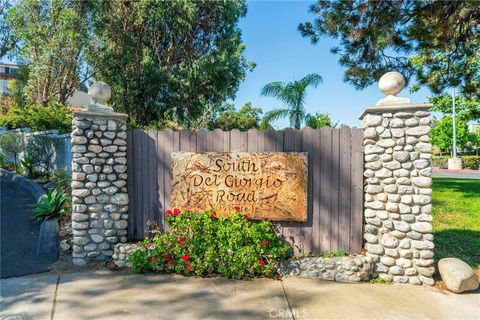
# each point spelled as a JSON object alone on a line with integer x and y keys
{"x": 261, "y": 262}
{"x": 170, "y": 262}
{"x": 189, "y": 266}
{"x": 185, "y": 257}
{"x": 154, "y": 260}
{"x": 181, "y": 239}
{"x": 176, "y": 212}
{"x": 168, "y": 213}
{"x": 237, "y": 208}
{"x": 213, "y": 215}
{"x": 264, "y": 243}
{"x": 166, "y": 256}
{"x": 247, "y": 218}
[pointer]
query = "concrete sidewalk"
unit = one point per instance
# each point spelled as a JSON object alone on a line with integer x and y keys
{"x": 121, "y": 295}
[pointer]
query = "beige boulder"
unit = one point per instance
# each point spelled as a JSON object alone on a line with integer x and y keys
{"x": 457, "y": 275}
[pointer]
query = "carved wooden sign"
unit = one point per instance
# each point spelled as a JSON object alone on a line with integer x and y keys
{"x": 264, "y": 185}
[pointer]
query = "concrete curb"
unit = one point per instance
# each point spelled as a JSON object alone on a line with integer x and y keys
{"x": 35, "y": 190}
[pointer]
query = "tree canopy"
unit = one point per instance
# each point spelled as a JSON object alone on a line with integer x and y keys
{"x": 319, "y": 120}
{"x": 174, "y": 60}
{"x": 442, "y": 134}
{"x": 244, "y": 119}
{"x": 437, "y": 42}
{"x": 292, "y": 94}
{"x": 465, "y": 108}
{"x": 50, "y": 39}
{"x": 165, "y": 61}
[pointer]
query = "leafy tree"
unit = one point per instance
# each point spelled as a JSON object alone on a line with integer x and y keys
{"x": 292, "y": 94}
{"x": 442, "y": 134}
{"x": 51, "y": 38}
{"x": 436, "y": 41}
{"x": 7, "y": 41}
{"x": 12, "y": 143}
{"x": 465, "y": 108}
{"x": 16, "y": 90}
{"x": 169, "y": 60}
{"x": 319, "y": 120}
{"x": 244, "y": 119}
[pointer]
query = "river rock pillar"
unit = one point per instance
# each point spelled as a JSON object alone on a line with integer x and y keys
{"x": 99, "y": 179}
{"x": 398, "y": 193}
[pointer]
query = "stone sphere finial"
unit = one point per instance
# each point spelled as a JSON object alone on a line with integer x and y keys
{"x": 391, "y": 83}
{"x": 100, "y": 92}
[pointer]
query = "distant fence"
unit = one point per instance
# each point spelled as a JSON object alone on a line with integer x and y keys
{"x": 63, "y": 152}
{"x": 335, "y": 184}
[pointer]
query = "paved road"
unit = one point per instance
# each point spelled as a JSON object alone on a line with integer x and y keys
{"x": 121, "y": 295}
{"x": 18, "y": 232}
{"x": 455, "y": 175}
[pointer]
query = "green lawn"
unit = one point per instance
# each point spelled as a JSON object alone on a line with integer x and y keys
{"x": 456, "y": 219}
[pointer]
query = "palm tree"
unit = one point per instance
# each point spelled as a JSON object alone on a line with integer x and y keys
{"x": 292, "y": 94}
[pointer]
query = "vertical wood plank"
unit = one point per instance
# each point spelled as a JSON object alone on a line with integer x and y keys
{"x": 356, "y": 212}
{"x": 306, "y": 230}
{"x": 137, "y": 158}
{"x": 269, "y": 141}
{"x": 217, "y": 140}
{"x": 184, "y": 141}
{"x": 279, "y": 140}
{"x": 288, "y": 228}
{"x": 209, "y": 141}
{"x": 145, "y": 180}
{"x": 235, "y": 141}
{"x": 201, "y": 140}
{"x": 345, "y": 158}
{"x": 168, "y": 148}
{"x": 335, "y": 172}
{"x": 226, "y": 141}
{"x": 261, "y": 140}
{"x": 325, "y": 152}
{"x": 131, "y": 189}
{"x": 243, "y": 141}
{"x": 192, "y": 137}
{"x": 315, "y": 192}
{"x": 153, "y": 175}
{"x": 252, "y": 140}
{"x": 160, "y": 177}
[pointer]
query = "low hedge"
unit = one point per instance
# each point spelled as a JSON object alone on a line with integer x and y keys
{"x": 468, "y": 162}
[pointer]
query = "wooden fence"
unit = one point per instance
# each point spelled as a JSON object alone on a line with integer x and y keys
{"x": 335, "y": 184}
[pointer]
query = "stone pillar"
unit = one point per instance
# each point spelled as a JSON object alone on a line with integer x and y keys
{"x": 99, "y": 179}
{"x": 397, "y": 208}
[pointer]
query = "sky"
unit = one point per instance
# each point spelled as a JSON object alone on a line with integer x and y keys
{"x": 273, "y": 42}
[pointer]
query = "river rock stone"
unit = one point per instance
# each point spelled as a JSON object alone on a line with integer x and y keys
{"x": 457, "y": 275}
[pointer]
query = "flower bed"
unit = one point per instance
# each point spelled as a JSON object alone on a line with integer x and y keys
{"x": 203, "y": 245}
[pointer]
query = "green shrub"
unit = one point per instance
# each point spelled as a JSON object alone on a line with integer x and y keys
{"x": 3, "y": 162}
{"x": 439, "y": 162}
{"x": 379, "y": 280}
{"x": 468, "y": 162}
{"x": 12, "y": 143}
{"x": 52, "y": 205}
{"x": 28, "y": 165}
{"x": 42, "y": 150}
{"x": 471, "y": 162}
{"x": 332, "y": 254}
{"x": 38, "y": 117}
{"x": 61, "y": 179}
{"x": 202, "y": 245}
